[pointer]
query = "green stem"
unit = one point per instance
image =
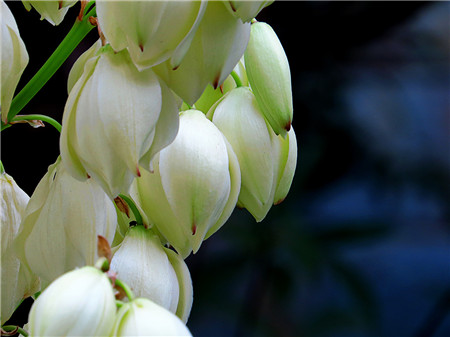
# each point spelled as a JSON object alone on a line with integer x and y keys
{"x": 119, "y": 304}
{"x": 9, "y": 328}
{"x": 78, "y": 31}
{"x": 133, "y": 208}
{"x": 126, "y": 289}
{"x": 236, "y": 79}
{"x": 2, "y": 168}
{"x": 43, "y": 118}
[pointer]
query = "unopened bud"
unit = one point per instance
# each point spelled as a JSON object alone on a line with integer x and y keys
{"x": 269, "y": 76}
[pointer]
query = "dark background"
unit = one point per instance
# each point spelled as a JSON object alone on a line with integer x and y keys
{"x": 361, "y": 245}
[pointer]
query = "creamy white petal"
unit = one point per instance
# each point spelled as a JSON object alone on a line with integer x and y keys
{"x": 211, "y": 56}
{"x": 198, "y": 189}
{"x": 61, "y": 223}
{"x": 142, "y": 263}
{"x": 79, "y": 303}
{"x": 238, "y": 117}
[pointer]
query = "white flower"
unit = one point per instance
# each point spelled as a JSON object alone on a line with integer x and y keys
{"x": 160, "y": 29}
{"x": 142, "y": 317}
{"x": 61, "y": 222}
{"x": 216, "y": 48}
{"x": 267, "y": 161}
{"x": 79, "y": 303}
{"x": 153, "y": 271}
{"x": 17, "y": 281}
{"x": 14, "y": 58}
{"x": 115, "y": 119}
{"x": 195, "y": 184}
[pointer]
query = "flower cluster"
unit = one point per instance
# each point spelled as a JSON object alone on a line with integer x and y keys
{"x": 180, "y": 112}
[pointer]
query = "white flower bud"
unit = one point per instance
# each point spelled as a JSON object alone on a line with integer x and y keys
{"x": 153, "y": 31}
{"x": 266, "y": 160}
{"x": 143, "y": 264}
{"x": 216, "y": 48}
{"x": 78, "y": 303}
{"x": 61, "y": 223}
{"x": 115, "y": 119}
{"x": 51, "y": 10}
{"x": 269, "y": 76}
{"x": 14, "y": 59}
{"x": 17, "y": 281}
{"x": 246, "y": 10}
{"x": 195, "y": 184}
{"x": 142, "y": 317}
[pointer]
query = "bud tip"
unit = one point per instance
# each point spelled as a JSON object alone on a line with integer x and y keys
{"x": 287, "y": 127}
{"x": 279, "y": 201}
{"x": 216, "y": 81}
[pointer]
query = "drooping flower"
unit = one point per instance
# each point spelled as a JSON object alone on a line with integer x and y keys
{"x": 78, "y": 303}
{"x": 267, "y": 161}
{"x": 153, "y": 271}
{"x": 216, "y": 48}
{"x": 270, "y": 78}
{"x": 116, "y": 118}
{"x": 142, "y": 317}
{"x": 17, "y": 281}
{"x": 160, "y": 30}
{"x": 14, "y": 58}
{"x": 195, "y": 184}
{"x": 51, "y": 10}
{"x": 61, "y": 222}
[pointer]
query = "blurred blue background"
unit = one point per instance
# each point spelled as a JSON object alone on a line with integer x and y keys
{"x": 361, "y": 245}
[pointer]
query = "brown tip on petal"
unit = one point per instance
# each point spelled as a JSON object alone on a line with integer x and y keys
{"x": 103, "y": 248}
{"x": 138, "y": 173}
{"x": 60, "y": 4}
{"x": 194, "y": 229}
{"x": 88, "y": 176}
{"x": 232, "y": 6}
{"x": 122, "y": 206}
{"x": 176, "y": 67}
{"x": 287, "y": 127}
{"x": 216, "y": 81}
{"x": 279, "y": 201}
{"x": 221, "y": 88}
{"x": 141, "y": 47}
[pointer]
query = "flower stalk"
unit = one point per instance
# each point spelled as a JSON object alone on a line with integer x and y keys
{"x": 14, "y": 329}
{"x": 38, "y": 117}
{"x": 128, "y": 292}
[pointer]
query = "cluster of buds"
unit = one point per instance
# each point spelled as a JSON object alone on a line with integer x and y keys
{"x": 170, "y": 123}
